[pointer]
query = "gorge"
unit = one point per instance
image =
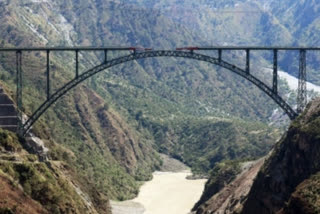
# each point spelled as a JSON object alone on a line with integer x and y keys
{"x": 105, "y": 139}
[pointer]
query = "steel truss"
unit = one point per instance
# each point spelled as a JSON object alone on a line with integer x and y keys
{"x": 271, "y": 92}
{"x": 141, "y": 53}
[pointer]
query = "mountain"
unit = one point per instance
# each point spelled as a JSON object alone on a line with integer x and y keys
{"x": 135, "y": 102}
{"x": 286, "y": 182}
{"x": 31, "y": 186}
{"x": 228, "y": 187}
{"x": 115, "y": 123}
{"x": 302, "y": 21}
{"x": 251, "y": 23}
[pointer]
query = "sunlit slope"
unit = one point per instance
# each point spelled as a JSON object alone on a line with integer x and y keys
{"x": 115, "y": 122}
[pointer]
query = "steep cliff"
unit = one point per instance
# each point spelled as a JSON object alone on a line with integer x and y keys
{"x": 227, "y": 188}
{"x": 30, "y": 186}
{"x": 288, "y": 181}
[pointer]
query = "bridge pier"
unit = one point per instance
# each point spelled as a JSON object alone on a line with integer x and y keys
{"x": 48, "y": 75}
{"x": 105, "y": 56}
{"x": 19, "y": 91}
{"x": 275, "y": 71}
{"x": 220, "y": 55}
{"x": 302, "y": 86}
{"x": 77, "y": 64}
{"x": 248, "y": 61}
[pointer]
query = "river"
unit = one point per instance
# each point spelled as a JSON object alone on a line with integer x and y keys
{"x": 170, "y": 192}
{"x": 293, "y": 81}
{"x": 167, "y": 192}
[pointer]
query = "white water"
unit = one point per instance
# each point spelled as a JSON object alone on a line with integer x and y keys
{"x": 293, "y": 81}
{"x": 167, "y": 192}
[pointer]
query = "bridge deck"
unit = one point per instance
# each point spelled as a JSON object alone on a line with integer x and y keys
{"x": 135, "y": 53}
{"x": 119, "y": 48}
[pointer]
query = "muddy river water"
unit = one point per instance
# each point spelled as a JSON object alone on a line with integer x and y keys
{"x": 167, "y": 192}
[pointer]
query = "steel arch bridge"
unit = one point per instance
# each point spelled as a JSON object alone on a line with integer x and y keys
{"x": 140, "y": 53}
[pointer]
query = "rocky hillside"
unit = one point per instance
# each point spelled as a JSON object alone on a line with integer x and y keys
{"x": 227, "y": 187}
{"x": 110, "y": 129}
{"x": 31, "y": 186}
{"x": 287, "y": 182}
{"x": 116, "y": 122}
{"x": 287, "y": 178}
{"x": 249, "y": 22}
{"x": 35, "y": 180}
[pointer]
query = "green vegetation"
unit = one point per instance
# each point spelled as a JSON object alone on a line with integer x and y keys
{"x": 7, "y": 211}
{"x": 297, "y": 153}
{"x": 110, "y": 128}
{"x": 55, "y": 194}
{"x": 39, "y": 180}
{"x": 308, "y": 194}
{"x": 203, "y": 142}
{"x": 9, "y": 141}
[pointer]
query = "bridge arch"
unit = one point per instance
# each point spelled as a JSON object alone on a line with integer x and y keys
{"x": 151, "y": 54}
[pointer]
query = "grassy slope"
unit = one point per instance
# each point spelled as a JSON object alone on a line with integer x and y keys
{"x": 202, "y": 143}
{"x": 26, "y": 180}
{"x": 137, "y": 100}
{"x": 72, "y": 121}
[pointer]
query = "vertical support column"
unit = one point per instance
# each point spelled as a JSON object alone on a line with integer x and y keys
{"x": 19, "y": 91}
{"x": 219, "y": 54}
{"x": 105, "y": 56}
{"x": 302, "y": 86}
{"x": 48, "y": 74}
{"x": 275, "y": 71}
{"x": 248, "y": 61}
{"x": 77, "y": 64}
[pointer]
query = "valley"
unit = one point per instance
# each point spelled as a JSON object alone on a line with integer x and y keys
{"x": 124, "y": 140}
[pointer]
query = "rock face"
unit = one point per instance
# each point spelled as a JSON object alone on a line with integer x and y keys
{"x": 306, "y": 197}
{"x": 285, "y": 176}
{"x": 229, "y": 199}
{"x": 30, "y": 186}
{"x": 36, "y": 146}
{"x": 288, "y": 181}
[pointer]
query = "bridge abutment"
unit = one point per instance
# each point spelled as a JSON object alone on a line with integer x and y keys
{"x": 8, "y": 113}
